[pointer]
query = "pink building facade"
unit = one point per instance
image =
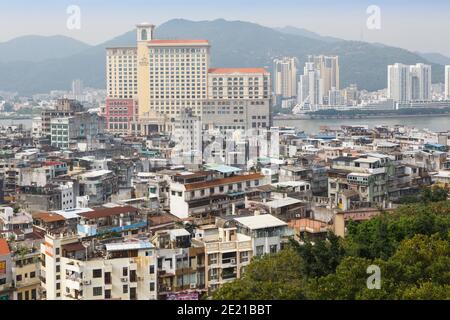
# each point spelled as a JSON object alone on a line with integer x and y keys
{"x": 121, "y": 115}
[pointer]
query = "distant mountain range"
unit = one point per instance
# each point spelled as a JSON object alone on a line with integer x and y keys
{"x": 39, "y": 64}
{"x": 435, "y": 58}
{"x": 306, "y": 33}
{"x": 39, "y": 48}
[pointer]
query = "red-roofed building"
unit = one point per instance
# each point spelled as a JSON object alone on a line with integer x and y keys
{"x": 4, "y": 247}
{"x": 178, "y": 42}
{"x": 238, "y": 98}
{"x": 238, "y": 71}
{"x": 141, "y": 74}
{"x": 122, "y": 219}
{"x": 212, "y": 197}
{"x": 5, "y": 271}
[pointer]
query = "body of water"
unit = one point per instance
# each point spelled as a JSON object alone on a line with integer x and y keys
{"x": 9, "y": 122}
{"x": 434, "y": 123}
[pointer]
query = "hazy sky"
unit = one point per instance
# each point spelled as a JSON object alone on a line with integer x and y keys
{"x": 411, "y": 24}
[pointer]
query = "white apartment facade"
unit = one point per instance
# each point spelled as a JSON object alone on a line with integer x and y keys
{"x": 216, "y": 195}
{"x": 268, "y": 233}
{"x": 227, "y": 254}
{"x": 447, "y": 82}
{"x": 122, "y": 271}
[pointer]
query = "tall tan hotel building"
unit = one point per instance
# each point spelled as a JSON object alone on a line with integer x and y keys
{"x": 149, "y": 84}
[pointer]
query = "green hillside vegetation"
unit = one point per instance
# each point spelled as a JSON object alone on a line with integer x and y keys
{"x": 411, "y": 246}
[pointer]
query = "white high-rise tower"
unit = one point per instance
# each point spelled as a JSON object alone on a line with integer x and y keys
{"x": 285, "y": 77}
{"x": 420, "y": 82}
{"x": 399, "y": 82}
{"x": 447, "y": 82}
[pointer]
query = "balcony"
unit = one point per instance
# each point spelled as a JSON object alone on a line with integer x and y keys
{"x": 229, "y": 276}
{"x": 164, "y": 289}
{"x": 130, "y": 226}
{"x": 229, "y": 262}
{"x": 244, "y": 245}
{"x": 27, "y": 283}
{"x": 74, "y": 283}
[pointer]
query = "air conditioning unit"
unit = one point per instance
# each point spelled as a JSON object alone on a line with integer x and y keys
{"x": 298, "y": 215}
{"x": 86, "y": 282}
{"x": 232, "y": 260}
{"x": 124, "y": 279}
{"x": 193, "y": 285}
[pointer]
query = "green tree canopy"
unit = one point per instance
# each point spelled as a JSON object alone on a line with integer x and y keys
{"x": 274, "y": 276}
{"x": 411, "y": 247}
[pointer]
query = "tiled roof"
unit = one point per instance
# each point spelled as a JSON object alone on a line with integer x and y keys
{"x": 224, "y": 181}
{"x": 48, "y": 217}
{"x": 106, "y": 212}
{"x": 311, "y": 224}
{"x": 238, "y": 70}
{"x": 178, "y": 41}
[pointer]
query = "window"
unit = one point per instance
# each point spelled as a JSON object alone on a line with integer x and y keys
{"x": 273, "y": 248}
{"x": 57, "y": 251}
{"x": 107, "y": 278}
{"x": 19, "y": 296}
{"x": 33, "y": 294}
{"x": 97, "y": 273}
{"x": 27, "y": 295}
{"x": 58, "y": 268}
{"x": 125, "y": 271}
{"x": 32, "y": 274}
{"x": 152, "y": 269}
{"x": 133, "y": 277}
{"x": 125, "y": 288}
{"x": 97, "y": 291}
{"x": 244, "y": 256}
{"x": 152, "y": 286}
{"x": 132, "y": 293}
{"x": 259, "y": 250}
{"x": 212, "y": 258}
{"x": 107, "y": 294}
{"x": 19, "y": 277}
{"x": 58, "y": 286}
